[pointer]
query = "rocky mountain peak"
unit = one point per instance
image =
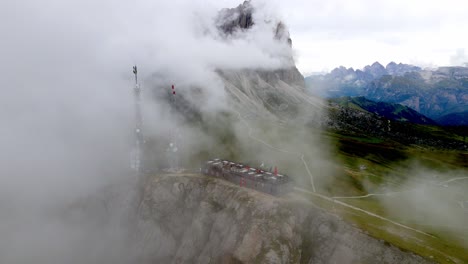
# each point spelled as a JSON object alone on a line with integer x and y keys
{"x": 242, "y": 17}
{"x": 376, "y": 69}
{"x": 274, "y": 92}
{"x": 400, "y": 68}
{"x": 232, "y": 19}
{"x": 377, "y": 65}
{"x": 282, "y": 33}
{"x": 391, "y": 65}
{"x": 341, "y": 71}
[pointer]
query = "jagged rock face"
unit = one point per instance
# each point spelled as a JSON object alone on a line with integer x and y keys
{"x": 241, "y": 18}
{"x": 282, "y": 33}
{"x": 376, "y": 70}
{"x": 231, "y": 19}
{"x": 270, "y": 94}
{"x": 194, "y": 219}
{"x": 400, "y": 69}
{"x": 291, "y": 76}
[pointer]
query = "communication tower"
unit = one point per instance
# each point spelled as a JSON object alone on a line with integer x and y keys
{"x": 172, "y": 150}
{"x": 136, "y": 156}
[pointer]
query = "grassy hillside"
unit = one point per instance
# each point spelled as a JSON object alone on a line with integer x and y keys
{"x": 395, "y": 112}
{"x": 415, "y": 174}
{"x": 348, "y": 165}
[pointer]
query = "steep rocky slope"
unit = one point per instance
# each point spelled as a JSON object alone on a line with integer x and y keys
{"x": 270, "y": 94}
{"x": 194, "y": 219}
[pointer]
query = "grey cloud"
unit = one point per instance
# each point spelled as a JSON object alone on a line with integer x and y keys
{"x": 66, "y": 107}
{"x": 460, "y": 58}
{"x": 431, "y": 200}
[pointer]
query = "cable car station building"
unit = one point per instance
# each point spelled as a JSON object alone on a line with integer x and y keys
{"x": 257, "y": 179}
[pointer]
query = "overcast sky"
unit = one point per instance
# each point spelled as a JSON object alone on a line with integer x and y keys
{"x": 354, "y": 33}
{"x": 325, "y": 34}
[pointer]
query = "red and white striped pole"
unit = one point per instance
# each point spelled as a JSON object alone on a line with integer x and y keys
{"x": 174, "y": 96}
{"x": 173, "y": 146}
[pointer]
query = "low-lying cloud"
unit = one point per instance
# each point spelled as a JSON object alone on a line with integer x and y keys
{"x": 66, "y": 107}
{"x": 460, "y": 58}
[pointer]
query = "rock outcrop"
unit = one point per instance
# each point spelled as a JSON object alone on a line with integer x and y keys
{"x": 376, "y": 70}
{"x": 276, "y": 93}
{"x": 195, "y": 219}
{"x": 239, "y": 18}
{"x": 242, "y": 18}
{"x": 269, "y": 94}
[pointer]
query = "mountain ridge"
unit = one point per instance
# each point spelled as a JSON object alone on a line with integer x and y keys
{"x": 394, "y": 112}
{"x": 433, "y": 93}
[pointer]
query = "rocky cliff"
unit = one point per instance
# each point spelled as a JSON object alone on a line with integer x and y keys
{"x": 266, "y": 92}
{"x": 195, "y": 219}
{"x": 270, "y": 94}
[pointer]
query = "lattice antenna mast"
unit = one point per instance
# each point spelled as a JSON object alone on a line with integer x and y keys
{"x": 172, "y": 151}
{"x": 174, "y": 107}
{"x": 137, "y": 151}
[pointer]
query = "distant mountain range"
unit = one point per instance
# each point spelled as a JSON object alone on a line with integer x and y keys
{"x": 440, "y": 94}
